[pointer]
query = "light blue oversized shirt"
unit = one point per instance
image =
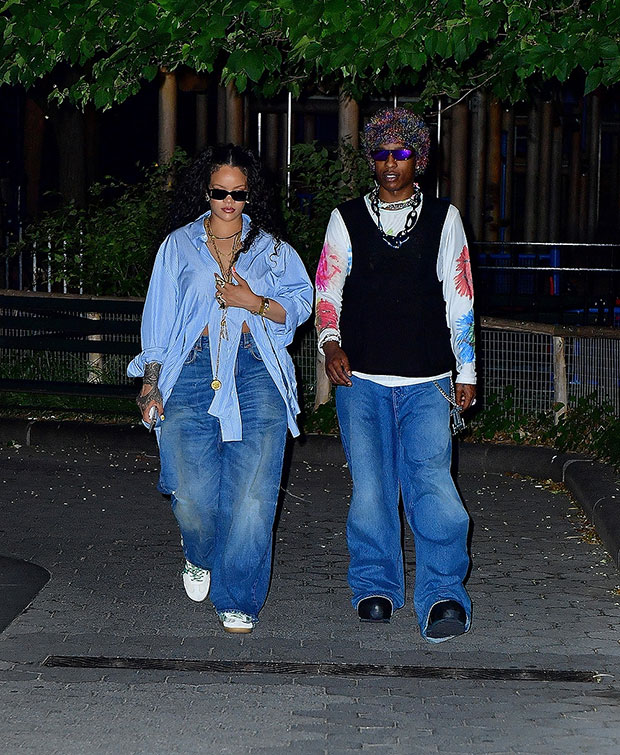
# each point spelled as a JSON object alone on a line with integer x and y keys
{"x": 181, "y": 301}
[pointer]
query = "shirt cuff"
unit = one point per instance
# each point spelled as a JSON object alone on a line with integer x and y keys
{"x": 467, "y": 374}
{"x": 328, "y": 334}
{"x": 137, "y": 365}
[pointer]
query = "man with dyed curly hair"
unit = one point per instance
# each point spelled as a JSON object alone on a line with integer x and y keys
{"x": 395, "y": 319}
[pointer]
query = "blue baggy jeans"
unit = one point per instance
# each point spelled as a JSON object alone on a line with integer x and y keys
{"x": 224, "y": 494}
{"x": 397, "y": 440}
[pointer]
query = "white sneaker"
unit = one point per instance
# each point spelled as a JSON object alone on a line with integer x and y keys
{"x": 196, "y": 581}
{"x": 236, "y": 621}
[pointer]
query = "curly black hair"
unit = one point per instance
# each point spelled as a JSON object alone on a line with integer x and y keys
{"x": 189, "y": 200}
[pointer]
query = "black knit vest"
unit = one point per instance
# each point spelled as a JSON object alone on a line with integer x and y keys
{"x": 393, "y": 319}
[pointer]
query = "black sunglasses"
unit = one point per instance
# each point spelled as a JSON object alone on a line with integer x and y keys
{"x": 221, "y": 194}
{"x": 381, "y": 155}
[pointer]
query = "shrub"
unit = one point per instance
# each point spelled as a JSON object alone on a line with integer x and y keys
{"x": 106, "y": 248}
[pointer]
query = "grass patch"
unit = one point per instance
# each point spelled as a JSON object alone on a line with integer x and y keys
{"x": 76, "y": 408}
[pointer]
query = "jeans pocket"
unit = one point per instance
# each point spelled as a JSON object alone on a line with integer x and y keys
{"x": 253, "y": 349}
{"x": 191, "y": 357}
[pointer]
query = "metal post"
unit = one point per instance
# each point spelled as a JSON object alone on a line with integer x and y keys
{"x": 34, "y": 266}
{"x": 259, "y": 126}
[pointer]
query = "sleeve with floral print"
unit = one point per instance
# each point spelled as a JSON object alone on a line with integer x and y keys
{"x": 454, "y": 271}
{"x": 331, "y": 274}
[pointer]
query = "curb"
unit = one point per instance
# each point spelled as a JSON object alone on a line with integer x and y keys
{"x": 595, "y": 486}
{"x": 59, "y": 434}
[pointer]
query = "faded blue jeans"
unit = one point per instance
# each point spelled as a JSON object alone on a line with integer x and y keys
{"x": 397, "y": 440}
{"x": 224, "y": 494}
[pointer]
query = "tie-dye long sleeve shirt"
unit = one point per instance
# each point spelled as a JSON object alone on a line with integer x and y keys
{"x": 453, "y": 271}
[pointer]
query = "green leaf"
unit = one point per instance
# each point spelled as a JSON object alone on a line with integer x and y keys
{"x": 608, "y": 48}
{"x": 35, "y": 35}
{"x": 241, "y": 81}
{"x": 103, "y": 97}
{"x": 417, "y": 60}
{"x": 149, "y": 72}
{"x": 87, "y": 49}
{"x": 253, "y": 64}
{"x": 593, "y": 79}
{"x": 8, "y": 4}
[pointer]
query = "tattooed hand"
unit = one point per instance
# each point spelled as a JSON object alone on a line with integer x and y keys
{"x": 150, "y": 395}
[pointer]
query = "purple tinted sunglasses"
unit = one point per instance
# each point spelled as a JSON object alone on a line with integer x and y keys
{"x": 381, "y": 155}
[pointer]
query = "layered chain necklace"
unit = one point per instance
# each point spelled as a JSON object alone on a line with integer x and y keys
{"x": 398, "y": 239}
{"x": 226, "y": 277}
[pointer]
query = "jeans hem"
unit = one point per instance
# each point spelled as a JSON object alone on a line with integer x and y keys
{"x": 436, "y": 640}
{"x": 377, "y": 595}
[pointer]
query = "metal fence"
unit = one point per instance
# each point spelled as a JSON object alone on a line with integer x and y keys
{"x": 558, "y": 283}
{"x": 541, "y": 364}
{"x": 564, "y": 282}
{"x": 549, "y": 364}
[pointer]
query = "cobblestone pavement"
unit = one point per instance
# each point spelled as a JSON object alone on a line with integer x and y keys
{"x": 544, "y": 598}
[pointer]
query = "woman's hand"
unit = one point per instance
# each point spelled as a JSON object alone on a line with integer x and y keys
{"x": 240, "y": 294}
{"x": 337, "y": 364}
{"x": 236, "y": 295}
{"x": 148, "y": 398}
{"x": 150, "y": 395}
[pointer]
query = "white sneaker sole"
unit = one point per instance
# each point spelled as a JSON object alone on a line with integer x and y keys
{"x": 236, "y": 625}
{"x": 237, "y": 630}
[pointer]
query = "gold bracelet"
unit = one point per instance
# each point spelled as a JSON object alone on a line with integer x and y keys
{"x": 264, "y": 306}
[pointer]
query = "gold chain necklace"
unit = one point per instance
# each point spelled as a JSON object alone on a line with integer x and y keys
{"x": 226, "y": 274}
{"x": 216, "y": 383}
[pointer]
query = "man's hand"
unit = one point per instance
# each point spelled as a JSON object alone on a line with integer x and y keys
{"x": 337, "y": 364}
{"x": 465, "y": 395}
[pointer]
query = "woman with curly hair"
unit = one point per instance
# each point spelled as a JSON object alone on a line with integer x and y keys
{"x": 225, "y": 298}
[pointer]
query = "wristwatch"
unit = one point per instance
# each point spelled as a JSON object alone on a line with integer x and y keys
{"x": 264, "y": 306}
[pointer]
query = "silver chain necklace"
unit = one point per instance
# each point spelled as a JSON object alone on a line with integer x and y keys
{"x": 398, "y": 239}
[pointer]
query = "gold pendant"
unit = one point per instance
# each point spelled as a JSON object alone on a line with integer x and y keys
{"x": 216, "y": 384}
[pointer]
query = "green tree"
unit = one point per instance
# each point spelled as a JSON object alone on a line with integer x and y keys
{"x": 438, "y": 46}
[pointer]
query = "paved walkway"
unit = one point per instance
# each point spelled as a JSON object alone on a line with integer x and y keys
{"x": 544, "y": 599}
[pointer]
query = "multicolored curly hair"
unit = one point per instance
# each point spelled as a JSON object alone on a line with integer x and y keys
{"x": 396, "y": 125}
